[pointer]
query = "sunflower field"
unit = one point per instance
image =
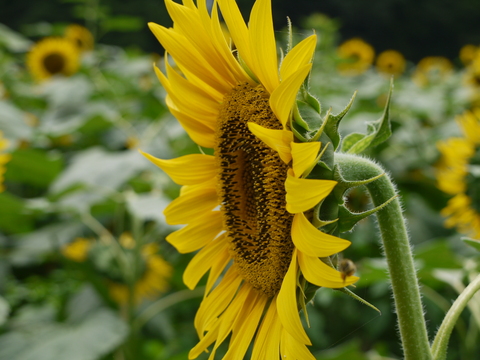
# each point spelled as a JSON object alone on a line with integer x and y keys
{"x": 225, "y": 197}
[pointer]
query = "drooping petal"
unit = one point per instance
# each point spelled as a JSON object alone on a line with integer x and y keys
{"x": 320, "y": 274}
{"x": 278, "y": 140}
{"x": 191, "y": 204}
{"x": 187, "y": 170}
{"x": 263, "y": 46}
{"x": 198, "y": 233}
{"x": 309, "y": 240}
{"x": 299, "y": 56}
{"x": 304, "y": 194}
{"x": 245, "y": 329}
{"x": 287, "y": 304}
{"x": 304, "y": 155}
{"x": 267, "y": 341}
{"x": 293, "y": 349}
{"x": 283, "y": 97}
{"x": 218, "y": 268}
{"x": 203, "y": 261}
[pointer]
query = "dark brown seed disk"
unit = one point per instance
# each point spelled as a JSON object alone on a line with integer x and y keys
{"x": 252, "y": 188}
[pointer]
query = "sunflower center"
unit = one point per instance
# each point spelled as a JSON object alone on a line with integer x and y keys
{"x": 54, "y": 63}
{"x": 252, "y": 188}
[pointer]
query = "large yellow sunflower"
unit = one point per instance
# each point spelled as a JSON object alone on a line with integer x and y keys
{"x": 459, "y": 175}
{"x": 80, "y": 36}
{"x": 246, "y": 207}
{"x": 53, "y": 56}
{"x": 4, "y": 158}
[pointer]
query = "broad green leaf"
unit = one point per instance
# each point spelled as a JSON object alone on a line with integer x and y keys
{"x": 98, "y": 334}
{"x": 33, "y": 167}
{"x": 4, "y": 310}
{"x": 472, "y": 242}
{"x": 13, "y": 216}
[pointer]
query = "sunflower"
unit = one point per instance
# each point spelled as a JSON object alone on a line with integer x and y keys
{"x": 356, "y": 55}
{"x": 459, "y": 175}
{"x": 153, "y": 276}
{"x": 80, "y": 36}
{"x": 246, "y": 207}
{"x": 4, "y": 158}
{"x": 432, "y": 69}
{"x": 472, "y": 73}
{"x": 467, "y": 54}
{"x": 51, "y": 56}
{"x": 390, "y": 62}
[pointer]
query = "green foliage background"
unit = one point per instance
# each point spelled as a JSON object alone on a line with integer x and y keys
{"x": 75, "y": 172}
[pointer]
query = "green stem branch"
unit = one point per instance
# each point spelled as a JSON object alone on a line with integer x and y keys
{"x": 439, "y": 347}
{"x": 398, "y": 253}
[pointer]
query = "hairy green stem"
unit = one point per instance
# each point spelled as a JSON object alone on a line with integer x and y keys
{"x": 398, "y": 253}
{"x": 439, "y": 346}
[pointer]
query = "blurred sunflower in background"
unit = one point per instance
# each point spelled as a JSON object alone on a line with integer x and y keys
{"x": 459, "y": 175}
{"x": 4, "y": 158}
{"x": 356, "y": 56}
{"x": 146, "y": 277}
{"x": 53, "y": 56}
{"x": 468, "y": 53}
{"x": 247, "y": 208}
{"x": 431, "y": 70}
{"x": 80, "y": 36}
{"x": 390, "y": 62}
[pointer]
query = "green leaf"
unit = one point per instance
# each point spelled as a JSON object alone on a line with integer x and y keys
{"x": 13, "y": 41}
{"x": 377, "y": 132}
{"x": 4, "y": 310}
{"x": 472, "y": 242}
{"x": 331, "y": 127}
{"x": 33, "y": 167}
{"x": 13, "y": 218}
{"x": 97, "y": 335}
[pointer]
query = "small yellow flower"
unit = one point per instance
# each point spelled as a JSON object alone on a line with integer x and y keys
{"x": 4, "y": 158}
{"x": 458, "y": 174}
{"x": 391, "y": 62}
{"x": 80, "y": 36}
{"x": 53, "y": 56}
{"x": 154, "y": 279}
{"x": 78, "y": 249}
{"x": 468, "y": 53}
{"x": 356, "y": 55}
{"x": 432, "y": 69}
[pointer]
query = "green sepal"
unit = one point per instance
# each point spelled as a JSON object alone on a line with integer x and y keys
{"x": 348, "y": 220}
{"x": 302, "y": 299}
{"x": 331, "y": 127}
{"x": 306, "y": 116}
{"x": 343, "y": 185}
{"x": 377, "y": 132}
{"x": 311, "y": 100}
{"x": 356, "y": 297}
{"x": 472, "y": 242}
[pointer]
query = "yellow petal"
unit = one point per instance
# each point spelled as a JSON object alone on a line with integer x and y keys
{"x": 217, "y": 301}
{"x": 188, "y": 58}
{"x": 309, "y": 240}
{"x": 187, "y": 170}
{"x": 292, "y": 349}
{"x": 203, "y": 261}
{"x": 278, "y": 140}
{"x": 263, "y": 46}
{"x": 238, "y": 29}
{"x": 299, "y": 56}
{"x": 250, "y": 317}
{"x": 304, "y": 155}
{"x": 191, "y": 204}
{"x": 218, "y": 268}
{"x": 304, "y": 194}
{"x": 287, "y": 304}
{"x": 197, "y": 234}
{"x": 283, "y": 97}
{"x": 320, "y": 274}
{"x": 267, "y": 341}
